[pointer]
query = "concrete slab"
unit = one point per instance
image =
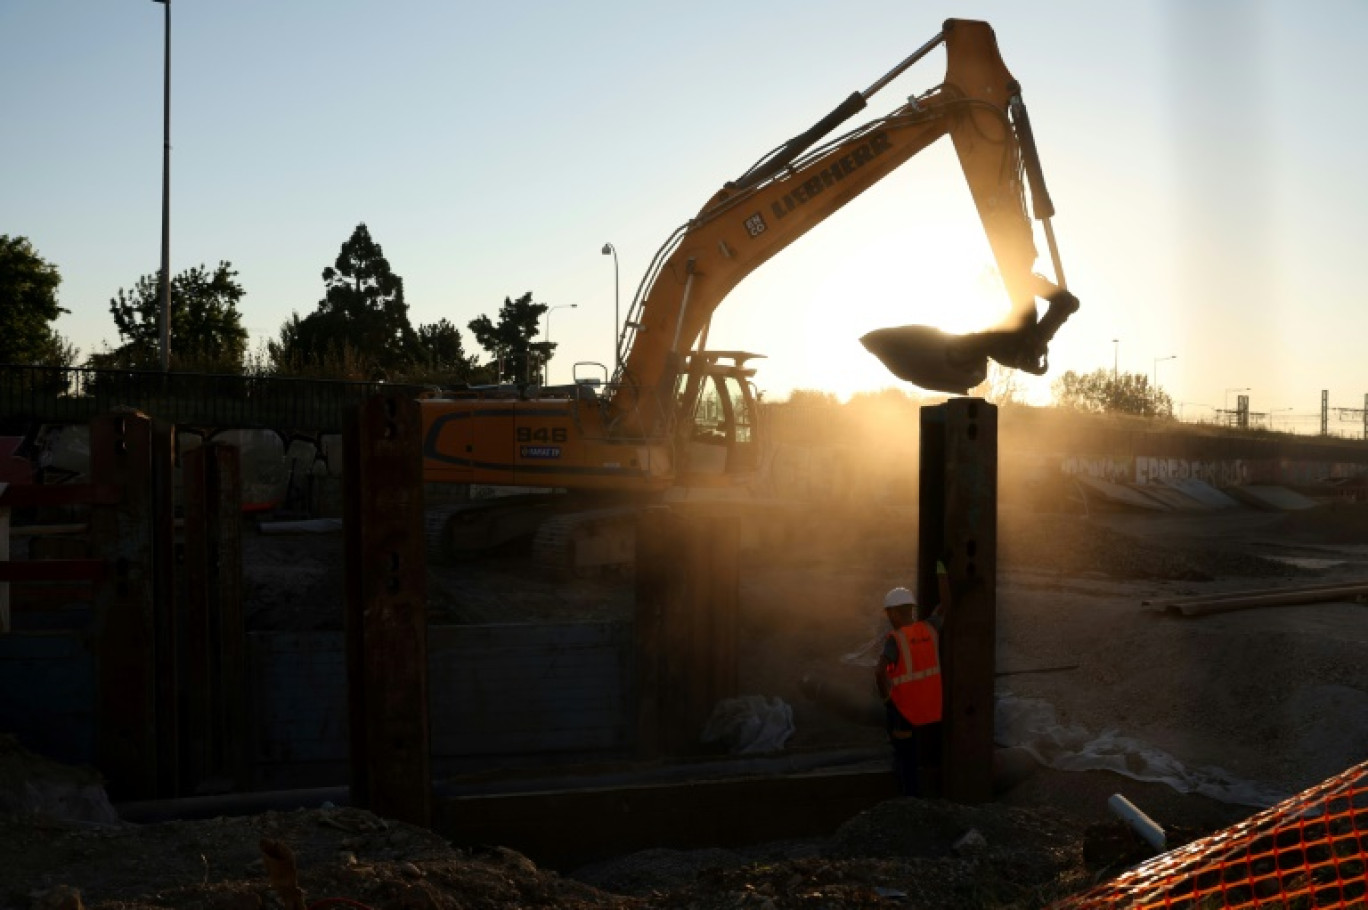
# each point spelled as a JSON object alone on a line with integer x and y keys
{"x": 1174, "y": 499}
{"x": 1203, "y": 492}
{"x": 1272, "y": 498}
{"x": 1119, "y": 494}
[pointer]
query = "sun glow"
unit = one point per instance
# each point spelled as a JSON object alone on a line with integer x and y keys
{"x": 905, "y": 279}
{"x": 912, "y": 252}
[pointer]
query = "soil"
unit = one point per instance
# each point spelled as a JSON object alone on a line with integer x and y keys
{"x": 1277, "y": 696}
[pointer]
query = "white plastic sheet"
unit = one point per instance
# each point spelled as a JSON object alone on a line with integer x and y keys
{"x": 1031, "y": 724}
{"x": 750, "y": 724}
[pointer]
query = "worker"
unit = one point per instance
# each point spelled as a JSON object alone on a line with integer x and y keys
{"x": 909, "y": 680}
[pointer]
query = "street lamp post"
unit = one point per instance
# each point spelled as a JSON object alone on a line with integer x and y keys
{"x": 608, "y": 248}
{"x": 1116, "y": 357}
{"x": 546, "y": 373}
{"x": 165, "y": 342}
{"x": 1157, "y": 361}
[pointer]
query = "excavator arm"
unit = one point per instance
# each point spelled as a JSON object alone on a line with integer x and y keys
{"x": 792, "y": 190}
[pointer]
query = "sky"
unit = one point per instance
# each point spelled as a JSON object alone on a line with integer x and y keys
{"x": 1205, "y": 160}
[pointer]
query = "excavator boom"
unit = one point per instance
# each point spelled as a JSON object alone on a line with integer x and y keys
{"x": 752, "y": 219}
{"x": 656, "y": 437}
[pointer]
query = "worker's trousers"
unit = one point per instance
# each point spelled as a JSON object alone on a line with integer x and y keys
{"x": 916, "y": 759}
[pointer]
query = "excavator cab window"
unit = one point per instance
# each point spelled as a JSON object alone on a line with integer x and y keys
{"x": 743, "y": 442}
{"x": 721, "y": 435}
{"x": 710, "y": 418}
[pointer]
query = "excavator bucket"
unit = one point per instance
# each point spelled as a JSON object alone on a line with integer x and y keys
{"x": 928, "y": 357}
{"x": 943, "y": 362}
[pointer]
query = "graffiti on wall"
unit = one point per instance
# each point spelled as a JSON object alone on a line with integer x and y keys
{"x": 1114, "y": 468}
{"x": 1217, "y": 472}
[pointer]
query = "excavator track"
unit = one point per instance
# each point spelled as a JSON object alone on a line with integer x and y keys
{"x": 588, "y": 542}
{"x": 462, "y": 531}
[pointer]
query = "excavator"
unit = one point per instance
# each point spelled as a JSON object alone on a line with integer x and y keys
{"x": 676, "y": 419}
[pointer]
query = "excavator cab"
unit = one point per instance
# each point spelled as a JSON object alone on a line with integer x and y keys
{"x": 718, "y": 433}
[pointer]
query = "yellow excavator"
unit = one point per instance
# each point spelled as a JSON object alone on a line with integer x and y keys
{"x": 675, "y": 418}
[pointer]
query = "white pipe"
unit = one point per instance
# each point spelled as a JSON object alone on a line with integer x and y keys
{"x": 1142, "y": 824}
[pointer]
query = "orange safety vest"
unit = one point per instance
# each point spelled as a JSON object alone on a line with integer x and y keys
{"x": 915, "y": 678}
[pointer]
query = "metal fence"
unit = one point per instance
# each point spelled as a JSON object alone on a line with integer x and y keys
{"x": 76, "y": 394}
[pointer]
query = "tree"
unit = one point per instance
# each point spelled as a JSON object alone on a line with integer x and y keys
{"x": 206, "y": 327}
{"x": 1001, "y": 387}
{"x": 28, "y": 304}
{"x": 441, "y": 349}
{"x": 509, "y": 340}
{"x": 362, "y": 317}
{"x": 812, "y": 398}
{"x": 1105, "y": 392}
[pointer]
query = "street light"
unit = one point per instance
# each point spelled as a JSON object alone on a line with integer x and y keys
{"x": 617, "y": 355}
{"x": 1157, "y": 361}
{"x": 546, "y": 373}
{"x": 166, "y": 203}
{"x": 1116, "y": 357}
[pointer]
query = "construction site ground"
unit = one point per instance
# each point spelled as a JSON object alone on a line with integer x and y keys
{"x": 1276, "y": 697}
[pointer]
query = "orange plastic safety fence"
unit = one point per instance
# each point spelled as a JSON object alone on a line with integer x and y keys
{"x": 1307, "y": 851}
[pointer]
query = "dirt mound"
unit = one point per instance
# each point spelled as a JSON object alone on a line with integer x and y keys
{"x": 903, "y": 850}
{"x": 218, "y": 863}
{"x": 928, "y": 854}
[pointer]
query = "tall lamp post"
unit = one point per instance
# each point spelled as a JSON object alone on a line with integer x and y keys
{"x": 1157, "y": 361}
{"x": 608, "y": 248}
{"x": 546, "y": 375}
{"x": 1116, "y": 357}
{"x": 165, "y": 342}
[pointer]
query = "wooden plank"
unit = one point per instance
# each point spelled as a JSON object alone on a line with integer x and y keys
{"x": 386, "y": 609}
{"x": 1330, "y": 588}
{"x": 969, "y": 643}
{"x": 229, "y": 633}
{"x": 165, "y": 653}
{"x": 214, "y": 697}
{"x": 29, "y": 495}
{"x": 33, "y": 570}
{"x": 4, "y": 562}
{"x": 724, "y": 609}
{"x": 196, "y": 690}
{"x": 687, "y": 593}
{"x": 958, "y": 523}
{"x": 124, "y": 633}
{"x": 655, "y": 549}
{"x": 1283, "y": 599}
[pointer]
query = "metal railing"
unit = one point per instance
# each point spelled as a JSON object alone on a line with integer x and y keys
{"x": 76, "y": 394}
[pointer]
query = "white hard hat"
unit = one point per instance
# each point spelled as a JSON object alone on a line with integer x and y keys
{"x": 899, "y": 597}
